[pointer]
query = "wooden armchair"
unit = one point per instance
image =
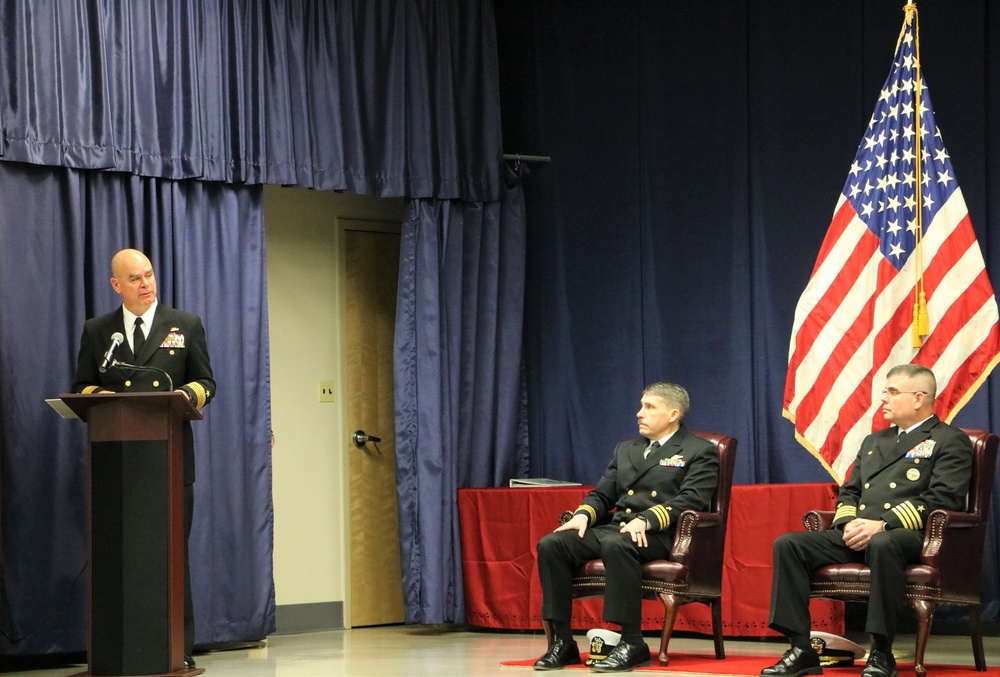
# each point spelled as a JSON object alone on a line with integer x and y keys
{"x": 950, "y": 564}
{"x": 694, "y": 571}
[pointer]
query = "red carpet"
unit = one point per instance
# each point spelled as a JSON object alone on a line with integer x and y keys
{"x": 738, "y": 666}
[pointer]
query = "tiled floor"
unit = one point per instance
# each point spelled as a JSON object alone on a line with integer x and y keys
{"x": 430, "y": 651}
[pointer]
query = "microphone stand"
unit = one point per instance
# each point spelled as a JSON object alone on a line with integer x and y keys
{"x": 142, "y": 367}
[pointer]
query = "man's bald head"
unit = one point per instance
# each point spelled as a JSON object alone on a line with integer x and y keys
{"x": 132, "y": 277}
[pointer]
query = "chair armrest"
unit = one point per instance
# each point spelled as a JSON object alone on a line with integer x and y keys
{"x": 953, "y": 519}
{"x": 688, "y": 543}
{"x": 957, "y": 529}
{"x": 700, "y": 546}
{"x": 705, "y": 519}
{"x": 953, "y": 545}
{"x": 818, "y": 520}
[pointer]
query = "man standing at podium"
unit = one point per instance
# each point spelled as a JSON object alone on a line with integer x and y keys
{"x": 153, "y": 335}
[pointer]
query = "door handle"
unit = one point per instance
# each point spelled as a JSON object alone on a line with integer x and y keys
{"x": 361, "y": 438}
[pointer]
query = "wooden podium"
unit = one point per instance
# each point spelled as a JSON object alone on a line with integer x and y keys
{"x": 135, "y": 534}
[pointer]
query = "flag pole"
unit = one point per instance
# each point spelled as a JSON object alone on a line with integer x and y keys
{"x": 920, "y": 320}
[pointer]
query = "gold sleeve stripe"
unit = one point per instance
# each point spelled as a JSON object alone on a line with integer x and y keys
{"x": 908, "y": 515}
{"x": 201, "y": 395}
{"x": 591, "y": 513}
{"x": 845, "y": 511}
{"x": 662, "y": 516}
{"x": 90, "y": 389}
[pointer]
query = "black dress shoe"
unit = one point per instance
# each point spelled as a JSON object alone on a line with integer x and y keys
{"x": 563, "y": 652}
{"x": 188, "y": 661}
{"x": 794, "y": 663}
{"x": 624, "y": 657}
{"x": 880, "y": 664}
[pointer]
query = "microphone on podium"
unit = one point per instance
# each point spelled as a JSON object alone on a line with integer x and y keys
{"x": 116, "y": 340}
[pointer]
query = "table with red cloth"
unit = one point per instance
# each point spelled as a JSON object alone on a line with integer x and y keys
{"x": 501, "y": 527}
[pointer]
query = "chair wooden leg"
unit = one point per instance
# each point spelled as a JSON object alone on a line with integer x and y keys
{"x": 720, "y": 648}
{"x": 976, "y": 630}
{"x": 671, "y": 604}
{"x": 547, "y": 626}
{"x": 925, "y": 615}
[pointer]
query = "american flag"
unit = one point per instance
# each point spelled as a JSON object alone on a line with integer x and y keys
{"x": 854, "y": 320}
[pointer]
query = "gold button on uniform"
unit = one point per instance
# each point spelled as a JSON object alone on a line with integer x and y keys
{"x": 892, "y": 485}
{"x": 628, "y": 511}
{"x": 128, "y": 384}
{"x": 630, "y": 492}
{"x": 887, "y": 506}
{"x": 156, "y": 384}
{"x": 869, "y": 453}
{"x": 867, "y": 485}
{"x": 861, "y": 507}
{"x": 916, "y": 461}
{"x": 171, "y": 352}
{"x": 653, "y": 494}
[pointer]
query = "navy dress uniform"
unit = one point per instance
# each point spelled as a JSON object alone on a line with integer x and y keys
{"x": 175, "y": 343}
{"x": 681, "y": 475}
{"x": 899, "y": 480}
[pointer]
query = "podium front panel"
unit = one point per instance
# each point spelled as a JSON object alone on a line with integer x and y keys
{"x": 133, "y": 419}
{"x": 130, "y": 557}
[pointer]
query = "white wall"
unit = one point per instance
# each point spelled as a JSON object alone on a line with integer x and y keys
{"x": 309, "y": 483}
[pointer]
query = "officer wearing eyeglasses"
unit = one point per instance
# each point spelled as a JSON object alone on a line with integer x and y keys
{"x": 900, "y": 475}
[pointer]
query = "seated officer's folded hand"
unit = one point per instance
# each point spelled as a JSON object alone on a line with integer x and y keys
{"x": 858, "y": 532}
{"x": 637, "y": 530}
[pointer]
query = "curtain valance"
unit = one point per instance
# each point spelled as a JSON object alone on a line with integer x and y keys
{"x": 377, "y": 97}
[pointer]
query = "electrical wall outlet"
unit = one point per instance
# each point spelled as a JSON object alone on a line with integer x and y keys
{"x": 326, "y": 391}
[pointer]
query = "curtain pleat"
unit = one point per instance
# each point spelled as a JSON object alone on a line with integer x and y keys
{"x": 459, "y": 414}
{"x": 375, "y": 97}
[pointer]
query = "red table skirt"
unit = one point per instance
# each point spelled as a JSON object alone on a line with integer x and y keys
{"x": 501, "y": 527}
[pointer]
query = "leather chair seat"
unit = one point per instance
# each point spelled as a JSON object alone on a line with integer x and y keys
{"x": 657, "y": 570}
{"x": 859, "y": 575}
{"x": 658, "y": 577}
{"x": 665, "y": 571}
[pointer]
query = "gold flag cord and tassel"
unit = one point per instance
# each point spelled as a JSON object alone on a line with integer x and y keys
{"x": 921, "y": 325}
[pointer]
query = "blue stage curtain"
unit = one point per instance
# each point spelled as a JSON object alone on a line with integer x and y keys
{"x": 60, "y": 228}
{"x": 366, "y": 96}
{"x": 459, "y": 403}
{"x": 698, "y": 152}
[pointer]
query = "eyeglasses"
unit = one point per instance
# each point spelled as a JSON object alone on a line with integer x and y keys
{"x": 892, "y": 392}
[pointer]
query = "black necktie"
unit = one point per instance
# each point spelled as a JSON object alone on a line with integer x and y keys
{"x": 138, "y": 338}
{"x": 652, "y": 447}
